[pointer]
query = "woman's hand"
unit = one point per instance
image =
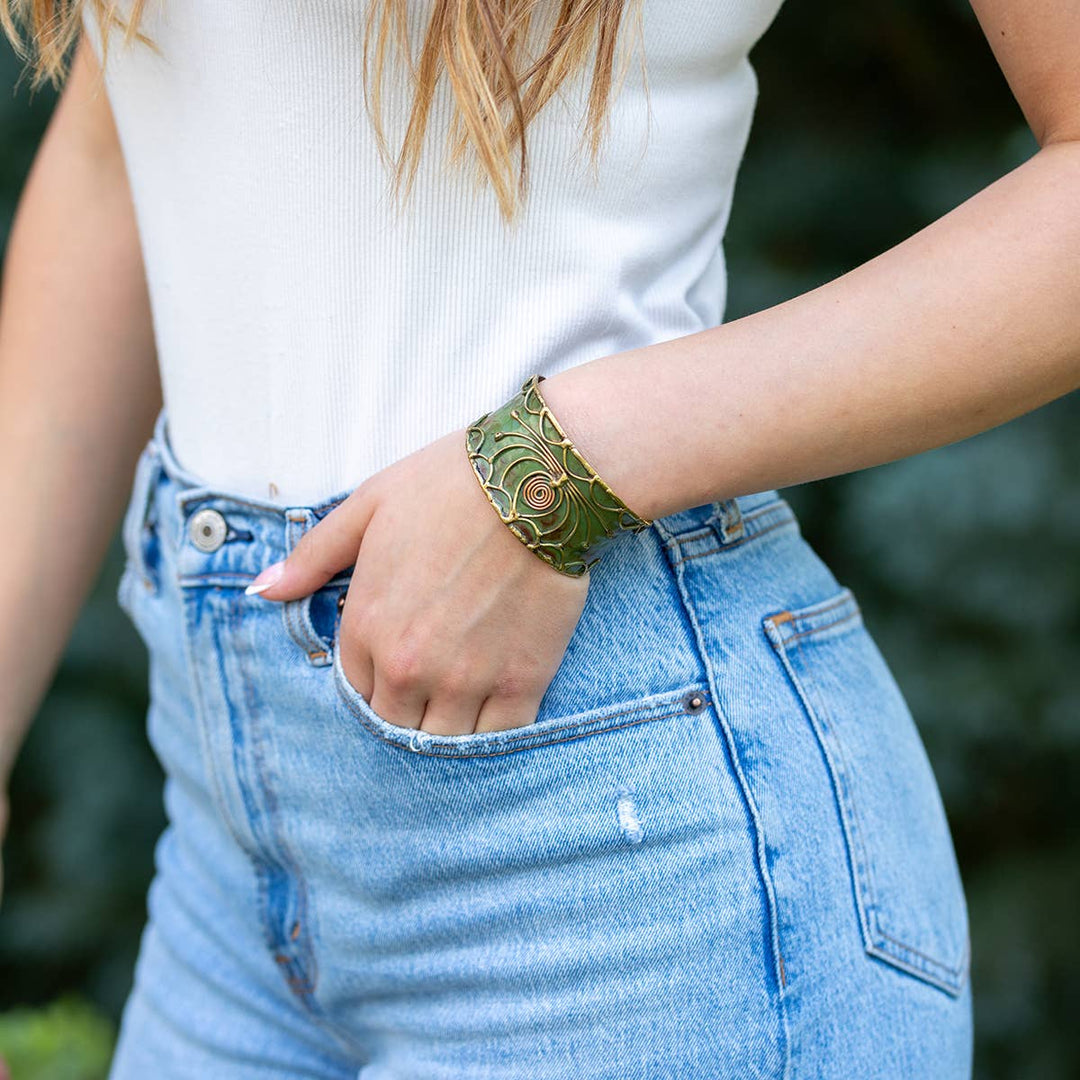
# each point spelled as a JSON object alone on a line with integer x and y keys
{"x": 451, "y": 624}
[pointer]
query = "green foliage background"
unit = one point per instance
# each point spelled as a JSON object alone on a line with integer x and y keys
{"x": 873, "y": 120}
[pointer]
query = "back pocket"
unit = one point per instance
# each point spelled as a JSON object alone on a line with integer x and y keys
{"x": 907, "y": 885}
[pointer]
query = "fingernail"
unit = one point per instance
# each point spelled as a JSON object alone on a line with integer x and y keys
{"x": 270, "y": 576}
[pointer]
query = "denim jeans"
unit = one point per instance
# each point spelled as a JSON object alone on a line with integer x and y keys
{"x": 718, "y": 852}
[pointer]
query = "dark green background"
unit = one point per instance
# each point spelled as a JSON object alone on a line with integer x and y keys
{"x": 873, "y": 120}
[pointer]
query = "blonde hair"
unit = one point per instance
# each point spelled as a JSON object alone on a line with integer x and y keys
{"x": 480, "y": 44}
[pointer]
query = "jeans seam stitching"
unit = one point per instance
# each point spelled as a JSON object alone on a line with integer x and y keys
{"x": 540, "y": 740}
{"x": 865, "y": 891}
{"x": 743, "y": 540}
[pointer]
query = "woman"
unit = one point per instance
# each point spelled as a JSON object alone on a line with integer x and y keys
{"x": 444, "y": 805}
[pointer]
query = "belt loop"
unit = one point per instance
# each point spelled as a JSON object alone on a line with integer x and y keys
{"x": 297, "y": 613}
{"x": 729, "y": 521}
{"x": 139, "y": 521}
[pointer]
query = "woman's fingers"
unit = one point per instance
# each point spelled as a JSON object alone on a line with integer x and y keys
{"x": 451, "y": 716}
{"x": 391, "y": 683}
{"x": 323, "y": 551}
{"x": 427, "y": 681}
{"x": 396, "y": 701}
{"x": 500, "y": 712}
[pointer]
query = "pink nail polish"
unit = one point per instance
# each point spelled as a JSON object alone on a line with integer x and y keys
{"x": 270, "y": 576}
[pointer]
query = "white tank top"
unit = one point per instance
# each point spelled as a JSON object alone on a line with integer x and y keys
{"x": 306, "y": 337}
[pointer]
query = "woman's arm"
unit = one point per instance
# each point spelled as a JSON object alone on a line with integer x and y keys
{"x": 971, "y": 322}
{"x": 79, "y": 388}
{"x": 974, "y": 320}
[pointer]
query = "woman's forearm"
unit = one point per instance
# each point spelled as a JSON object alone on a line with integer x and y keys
{"x": 78, "y": 391}
{"x": 972, "y": 321}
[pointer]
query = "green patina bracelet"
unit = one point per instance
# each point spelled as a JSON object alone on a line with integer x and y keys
{"x": 545, "y": 492}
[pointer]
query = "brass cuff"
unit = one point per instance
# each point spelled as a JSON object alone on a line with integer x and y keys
{"x": 544, "y": 491}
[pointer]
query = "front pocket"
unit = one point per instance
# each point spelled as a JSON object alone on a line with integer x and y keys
{"x": 905, "y": 878}
{"x": 688, "y": 700}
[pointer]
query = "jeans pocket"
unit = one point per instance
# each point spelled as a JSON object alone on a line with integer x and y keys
{"x": 546, "y": 729}
{"x": 905, "y": 878}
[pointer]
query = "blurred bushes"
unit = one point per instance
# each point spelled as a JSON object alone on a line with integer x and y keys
{"x": 69, "y": 1040}
{"x": 872, "y": 121}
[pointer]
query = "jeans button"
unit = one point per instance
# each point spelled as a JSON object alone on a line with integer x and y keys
{"x": 207, "y": 530}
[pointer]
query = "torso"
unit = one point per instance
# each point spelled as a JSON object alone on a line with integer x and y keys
{"x": 306, "y": 337}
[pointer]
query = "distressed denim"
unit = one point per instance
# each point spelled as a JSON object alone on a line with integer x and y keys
{"x": 718, "y": 852}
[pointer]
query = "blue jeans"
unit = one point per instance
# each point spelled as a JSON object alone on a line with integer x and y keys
{"x": 719, "y": 852}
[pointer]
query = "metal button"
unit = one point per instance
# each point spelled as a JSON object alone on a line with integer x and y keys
{"x": 207, "y": 530}
{"x": 694, "y": 702}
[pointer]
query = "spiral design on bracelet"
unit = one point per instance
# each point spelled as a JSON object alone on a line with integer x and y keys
{"x": 547, "y": 494}
{"x": 539, "y": 491}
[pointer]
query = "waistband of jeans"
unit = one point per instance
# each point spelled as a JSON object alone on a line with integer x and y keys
{"x": 728, "y": 520}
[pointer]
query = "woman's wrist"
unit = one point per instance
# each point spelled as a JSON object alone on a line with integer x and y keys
{"x": 603, "y": 438}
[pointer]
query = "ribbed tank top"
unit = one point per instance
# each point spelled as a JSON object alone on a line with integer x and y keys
{"x": 307, "y": 336}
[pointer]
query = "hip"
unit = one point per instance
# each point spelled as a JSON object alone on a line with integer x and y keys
{"x": 724, "y": 785}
